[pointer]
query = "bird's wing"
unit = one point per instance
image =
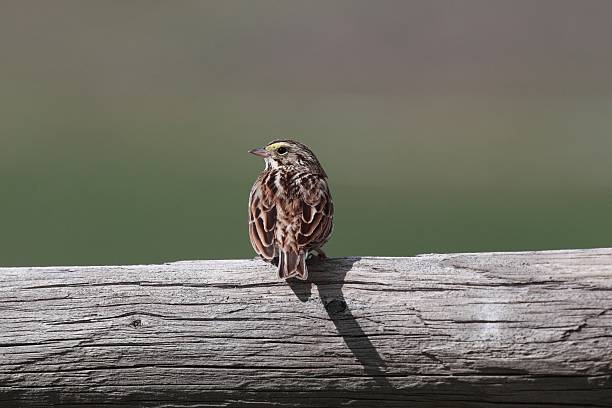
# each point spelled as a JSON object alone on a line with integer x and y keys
{"x": 317, "y": 214}
{"x": 262, "y": 219}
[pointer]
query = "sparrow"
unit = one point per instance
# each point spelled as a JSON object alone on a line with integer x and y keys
{"x": 291, "y": 212}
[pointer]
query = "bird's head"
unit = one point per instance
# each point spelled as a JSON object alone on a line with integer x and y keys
{"x": 286, "y": 153}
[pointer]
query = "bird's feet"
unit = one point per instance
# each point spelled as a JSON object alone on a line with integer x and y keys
{"x": 273, "y": 261}
{"x": 320, "y": 255}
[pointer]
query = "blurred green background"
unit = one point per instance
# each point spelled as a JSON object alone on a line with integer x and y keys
{"x": 444, "y": 126}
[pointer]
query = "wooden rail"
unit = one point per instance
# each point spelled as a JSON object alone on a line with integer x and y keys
{"x": 529, "y": 329}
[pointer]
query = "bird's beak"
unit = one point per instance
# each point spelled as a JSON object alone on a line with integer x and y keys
{"x": 260, "y": 152}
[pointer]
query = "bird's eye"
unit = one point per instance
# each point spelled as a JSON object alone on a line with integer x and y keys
{"x": 282, "y": 150}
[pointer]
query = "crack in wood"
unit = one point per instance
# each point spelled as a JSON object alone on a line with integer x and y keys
{"x": 567, "y": 333}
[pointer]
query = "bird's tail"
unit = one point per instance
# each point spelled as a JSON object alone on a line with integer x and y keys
{"x": 291, "y": 264}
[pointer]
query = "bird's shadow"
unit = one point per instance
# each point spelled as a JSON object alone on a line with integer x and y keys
{"x": 328, "y": 276}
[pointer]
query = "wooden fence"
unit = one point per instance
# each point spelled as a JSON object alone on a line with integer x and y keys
{"x": 529, "y": 329}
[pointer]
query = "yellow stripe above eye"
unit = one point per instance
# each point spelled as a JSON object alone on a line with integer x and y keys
{"x": 275, "y": 146}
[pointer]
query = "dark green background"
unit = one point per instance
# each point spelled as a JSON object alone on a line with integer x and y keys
{"x": 443, "y": 125}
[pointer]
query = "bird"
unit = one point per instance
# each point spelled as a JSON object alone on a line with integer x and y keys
{"x": 291, "y": 211}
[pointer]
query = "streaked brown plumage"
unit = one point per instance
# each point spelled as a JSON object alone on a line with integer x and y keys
{"x": 290, "y": 207}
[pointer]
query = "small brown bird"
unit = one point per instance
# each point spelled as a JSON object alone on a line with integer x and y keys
{"x": 290, "y": 208}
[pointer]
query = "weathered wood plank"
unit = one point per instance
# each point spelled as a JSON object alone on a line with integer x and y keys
{"x": 462, "y": 330}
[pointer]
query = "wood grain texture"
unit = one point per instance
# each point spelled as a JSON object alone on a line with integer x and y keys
{"x": 527, "y": 329}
